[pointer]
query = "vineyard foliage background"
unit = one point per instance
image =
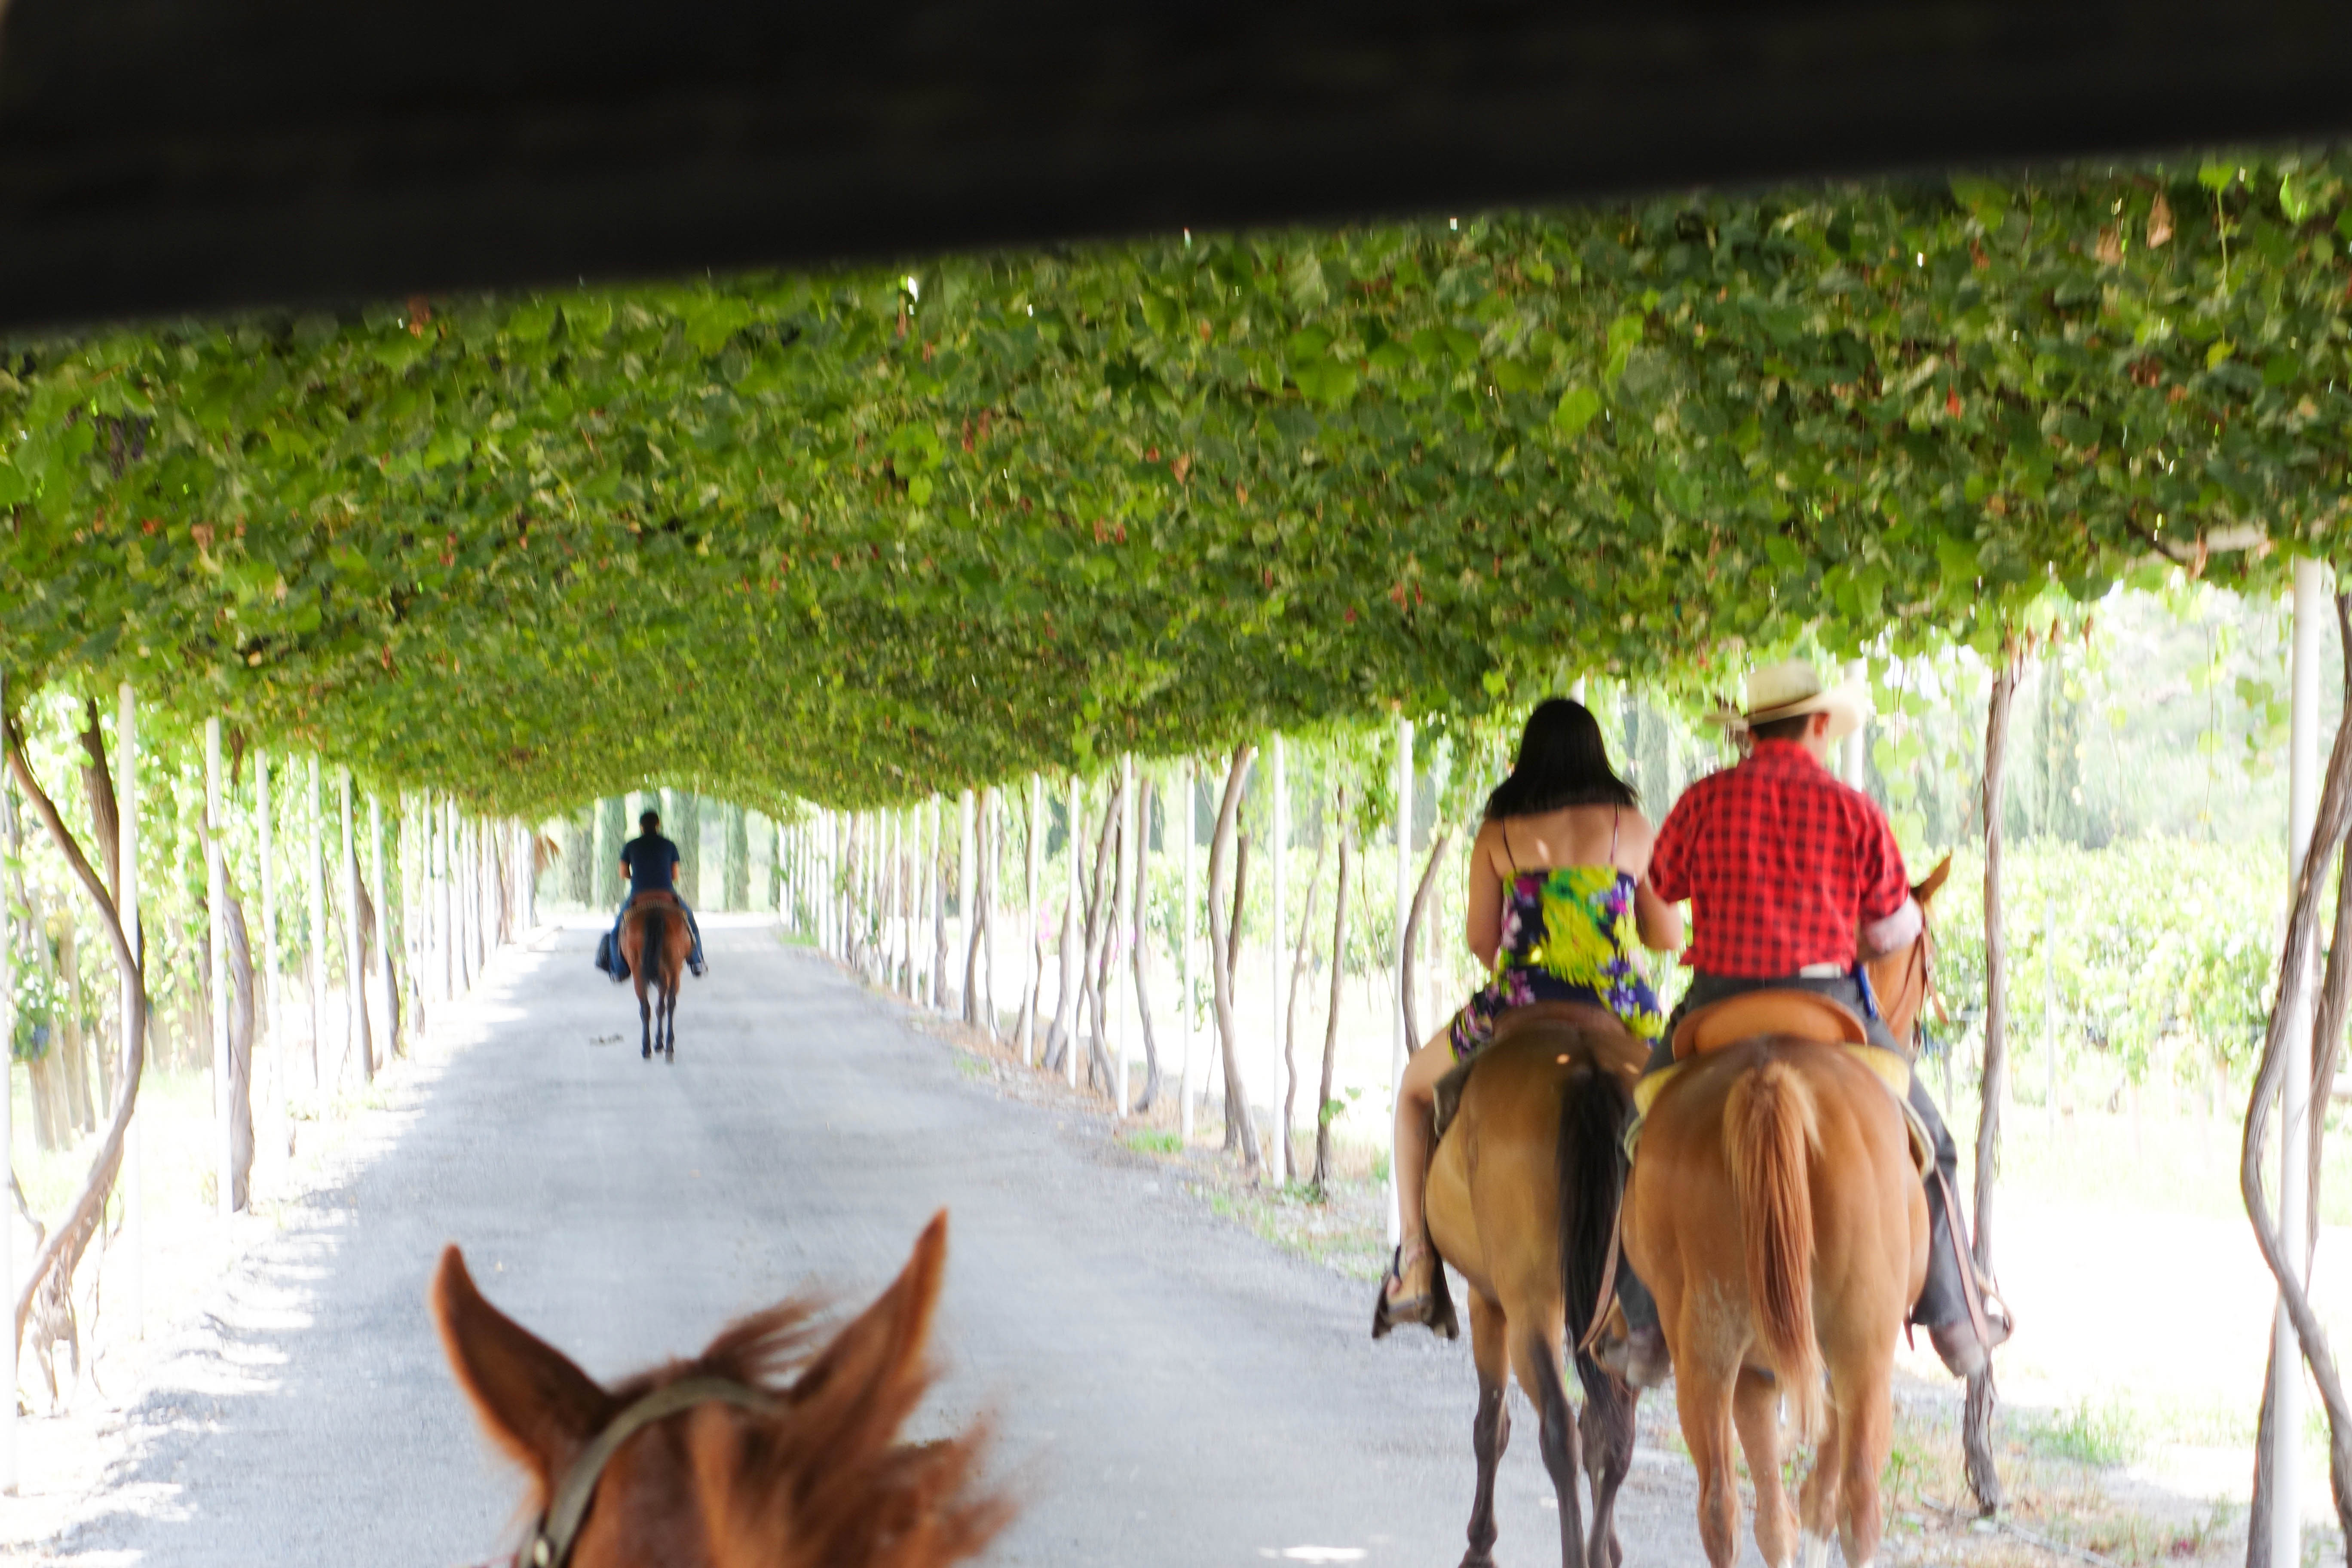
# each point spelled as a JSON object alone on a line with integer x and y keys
{"x": 857, "y": 536}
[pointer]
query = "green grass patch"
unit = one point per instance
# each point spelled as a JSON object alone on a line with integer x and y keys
{"x": 2099, "y": 1432}
{"x": 1154, "y": 1141}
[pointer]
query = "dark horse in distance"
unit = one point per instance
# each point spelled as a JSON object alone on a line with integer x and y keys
{"x": 654, "y": 942}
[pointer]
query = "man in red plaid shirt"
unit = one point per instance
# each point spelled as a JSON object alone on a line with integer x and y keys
{"x": 1794, "y": 877}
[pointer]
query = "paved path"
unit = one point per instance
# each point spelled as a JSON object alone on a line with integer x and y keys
{"x": 1170, "y": 1389}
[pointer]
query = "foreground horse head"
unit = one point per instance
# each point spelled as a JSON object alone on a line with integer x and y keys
{"x": 1522, "y": 1197}
{"x": 768, "y": 1451}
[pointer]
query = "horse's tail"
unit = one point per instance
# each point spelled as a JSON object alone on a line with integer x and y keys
{"x": 651, "y": 933}
{"x": 1769, "y": 1133}
{"x": 1593, "y": 1108}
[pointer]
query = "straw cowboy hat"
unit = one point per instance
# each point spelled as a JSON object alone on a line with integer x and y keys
{"x": 1794, "y": 687}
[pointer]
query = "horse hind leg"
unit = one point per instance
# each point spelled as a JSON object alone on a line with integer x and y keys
{"x": 1490, "y": 1433}
{"x": 1756, "y": 1409}
{"x": 1702, "y": 1398}
{"x": 1606, "y": 1423}
{"x": 1541, "y": 1374}
{"x": 1863, "y": 1411}
{"x": 644, "y": 1024}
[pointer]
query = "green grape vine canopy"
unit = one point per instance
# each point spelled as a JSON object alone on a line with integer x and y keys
{"x": 858, "y": 535}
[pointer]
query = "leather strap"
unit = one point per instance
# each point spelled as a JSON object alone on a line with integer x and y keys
{"x": 1607, "y": 1296}
{"x": 552, "y": 1538}
{"x": 1971, "y": 1293}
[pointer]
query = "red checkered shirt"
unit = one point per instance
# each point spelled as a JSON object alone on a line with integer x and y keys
{"x": 1781, "y": 862}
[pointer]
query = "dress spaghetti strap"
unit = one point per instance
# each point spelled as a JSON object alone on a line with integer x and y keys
{"x": 1504, "y": 824}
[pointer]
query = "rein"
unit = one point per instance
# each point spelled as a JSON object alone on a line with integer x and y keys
{"x": 556, "y": 1530}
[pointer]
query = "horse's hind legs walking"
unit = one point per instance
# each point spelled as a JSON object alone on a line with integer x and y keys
{"x": 1756, "y": 1411}
{"x": 1490, "y": 1431}
{"x": 669, "y": 1019}
{"x": 1561, "y": 1443}
{"x": 1607, "y": 1423}
{"x": 645, "y": 1023}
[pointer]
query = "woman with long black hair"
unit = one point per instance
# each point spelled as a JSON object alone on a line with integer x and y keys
{"x": 1558, "y": 899}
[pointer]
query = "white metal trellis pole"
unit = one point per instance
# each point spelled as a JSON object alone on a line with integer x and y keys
{"x": 7, "y": 1162}
{"x": 2295, "y": 1084}
{"x": 383, "y": 924}
{"x": 1130, "y": 866}
{"x": 315, "y": 873}
{"x": 126, "y": 794}
{"x": 1400, "y": 1047}
{"x": 1278, "y": 843}
{"x": 265, "y": 971}
{"x": 1185, "y": 809}
{"x": 355, "y": 1021}
{"x": 217, "y": 912}
{"x": 1033, "y": 963}
{"x": 1851, "y": 764}
{"x": 964, "y": 884}
{"x": 1070, "y": 936}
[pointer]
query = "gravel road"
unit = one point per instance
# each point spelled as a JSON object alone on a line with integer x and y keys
{"x": 1168, "y": 1389}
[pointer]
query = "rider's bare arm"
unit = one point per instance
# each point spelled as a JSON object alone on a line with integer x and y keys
{"x": 1898, "y": 929}
{"x": 1660, "y": 922}
{"x": 1483, "y": 929}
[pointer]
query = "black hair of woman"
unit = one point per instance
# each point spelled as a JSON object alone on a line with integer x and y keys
{"x": 1562, "y": 762}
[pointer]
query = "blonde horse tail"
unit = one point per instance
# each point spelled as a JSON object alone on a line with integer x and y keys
{"x": 1769, "y": 1133}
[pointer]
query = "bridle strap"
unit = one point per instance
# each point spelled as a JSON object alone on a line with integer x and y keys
{"x": 550, "y": 1539}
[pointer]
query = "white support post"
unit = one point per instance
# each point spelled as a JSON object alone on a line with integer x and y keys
{"x": 1278, "y": 846}
{"x": 1070, "y": 934}
{"x": 964, "y": 884}
{"x": 1032, "y": 965}
{"x": 216, "y": 911}
{"x": 315, "y": 871}
{"x": 452, "y": 905}
{"x": 265, "y": 971}
{"x": 355, "y": 1020}
{"x": 2311, "y": 610}
{"x": 134, "y": 1001}
{"x": 1853, "y": 767}
{"x": 1401, "y": 1046}
{"x": 383, "y": 924}
{"x": 1130, "y": 865}
{"x": 1185, "y": 809}
{"x": 8, "y": 1162}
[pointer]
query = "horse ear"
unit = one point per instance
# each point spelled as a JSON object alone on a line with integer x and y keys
{"x": 875, "y": 1364}
{"x": 1925, "y": 891}
{"x": 534, "y": 1403}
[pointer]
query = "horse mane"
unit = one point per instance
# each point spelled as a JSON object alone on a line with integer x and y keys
{"x": 826, "y": 1482}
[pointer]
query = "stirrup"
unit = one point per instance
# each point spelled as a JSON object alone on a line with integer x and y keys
{"x": 1407, "y": 1309}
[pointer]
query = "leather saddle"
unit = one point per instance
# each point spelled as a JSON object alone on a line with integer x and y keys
{"x": 1785, "y": 1015}
{"x": 1803, "y": 1014}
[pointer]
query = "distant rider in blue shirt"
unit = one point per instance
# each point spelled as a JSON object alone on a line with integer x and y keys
{"x": 650, "y": 863}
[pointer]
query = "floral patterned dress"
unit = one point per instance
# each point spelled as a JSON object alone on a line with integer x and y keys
{"x": 1568, "y": 936}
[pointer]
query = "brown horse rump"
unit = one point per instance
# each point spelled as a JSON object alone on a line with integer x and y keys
{"x": 1889, "y": 1068}
{"x": 1601, "y": 1031}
